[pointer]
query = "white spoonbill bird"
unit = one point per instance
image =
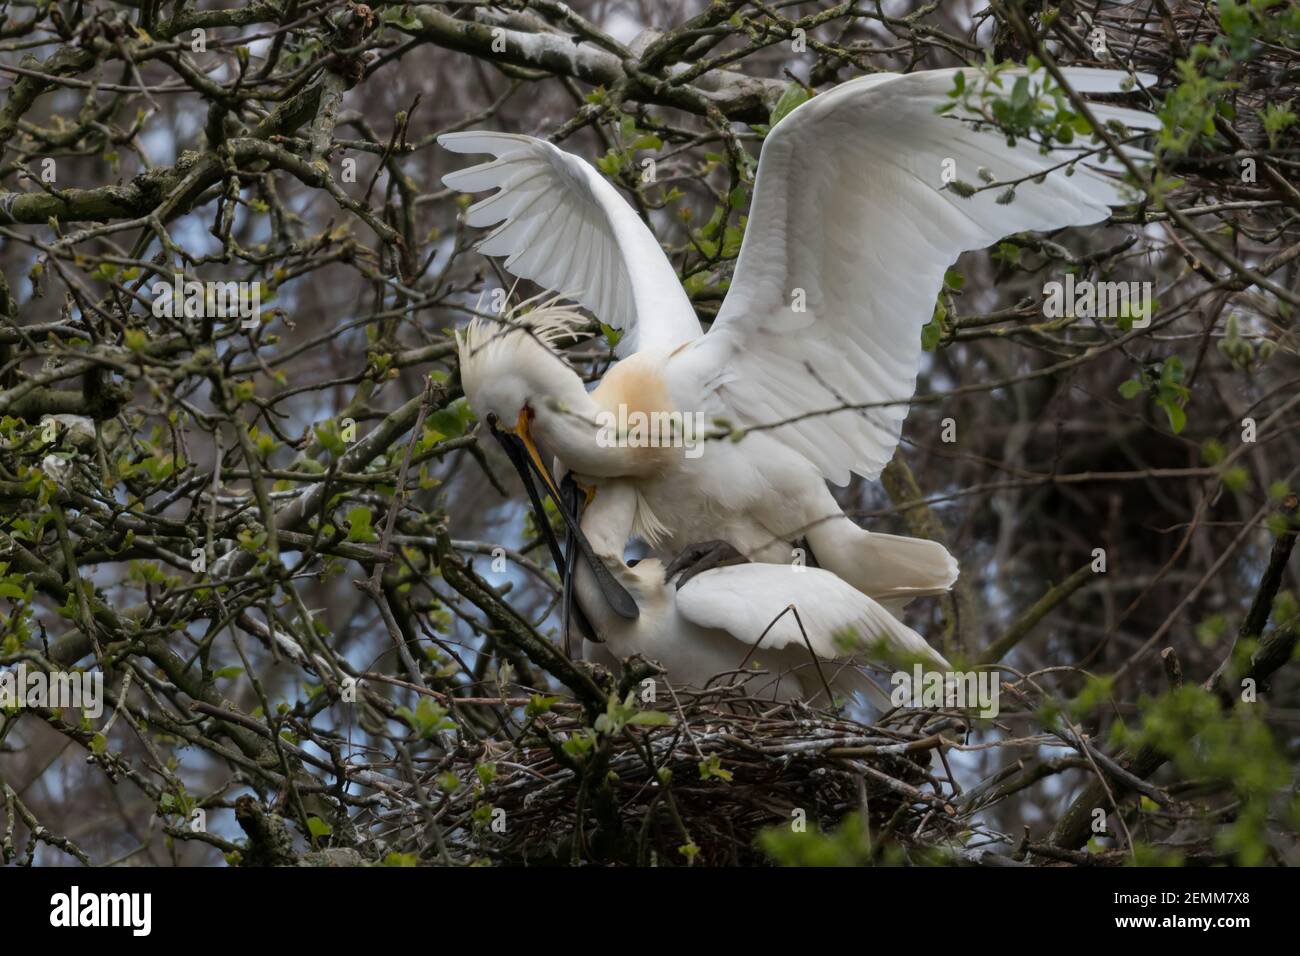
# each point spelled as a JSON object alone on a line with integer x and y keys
{"x": 816, "y": 347}
{"x": 805, "y": 630}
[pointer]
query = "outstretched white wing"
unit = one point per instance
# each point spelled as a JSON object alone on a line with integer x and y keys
{"x": 566, "y": 228}
{"x": 744, "y": 600}
{"x": 849, "y": 235}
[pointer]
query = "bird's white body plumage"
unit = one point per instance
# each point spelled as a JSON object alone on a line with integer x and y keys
{"x": 774, "y": 618}
{"x": 848, "y": 238}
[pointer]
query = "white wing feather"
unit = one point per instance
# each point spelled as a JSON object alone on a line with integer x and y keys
{"x": 745, "y": 599}
{"x": 566, "y": 228}
{"x": 848, "y": 208}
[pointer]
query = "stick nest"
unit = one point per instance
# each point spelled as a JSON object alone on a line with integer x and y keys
{"x": 700, "y": 789}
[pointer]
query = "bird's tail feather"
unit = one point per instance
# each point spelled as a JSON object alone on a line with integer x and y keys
{"x": 891, "y": 568}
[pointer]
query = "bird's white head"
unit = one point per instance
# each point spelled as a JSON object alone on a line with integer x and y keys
{"x": 511, "y": 363}
{"x": 514, "y": 377}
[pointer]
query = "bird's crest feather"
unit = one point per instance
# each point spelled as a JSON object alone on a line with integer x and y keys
{"x": 487, "y": 342}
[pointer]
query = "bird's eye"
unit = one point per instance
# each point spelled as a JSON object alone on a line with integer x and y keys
{"x": 634, "y": 562}
{"x": 492, "y": 419}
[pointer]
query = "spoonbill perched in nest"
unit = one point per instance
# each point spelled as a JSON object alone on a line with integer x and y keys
{"x": 804, "y": 631}
{"x": 815, "y": 351}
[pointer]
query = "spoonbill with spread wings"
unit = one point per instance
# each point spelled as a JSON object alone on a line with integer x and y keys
{"x": 816, "y": 348}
